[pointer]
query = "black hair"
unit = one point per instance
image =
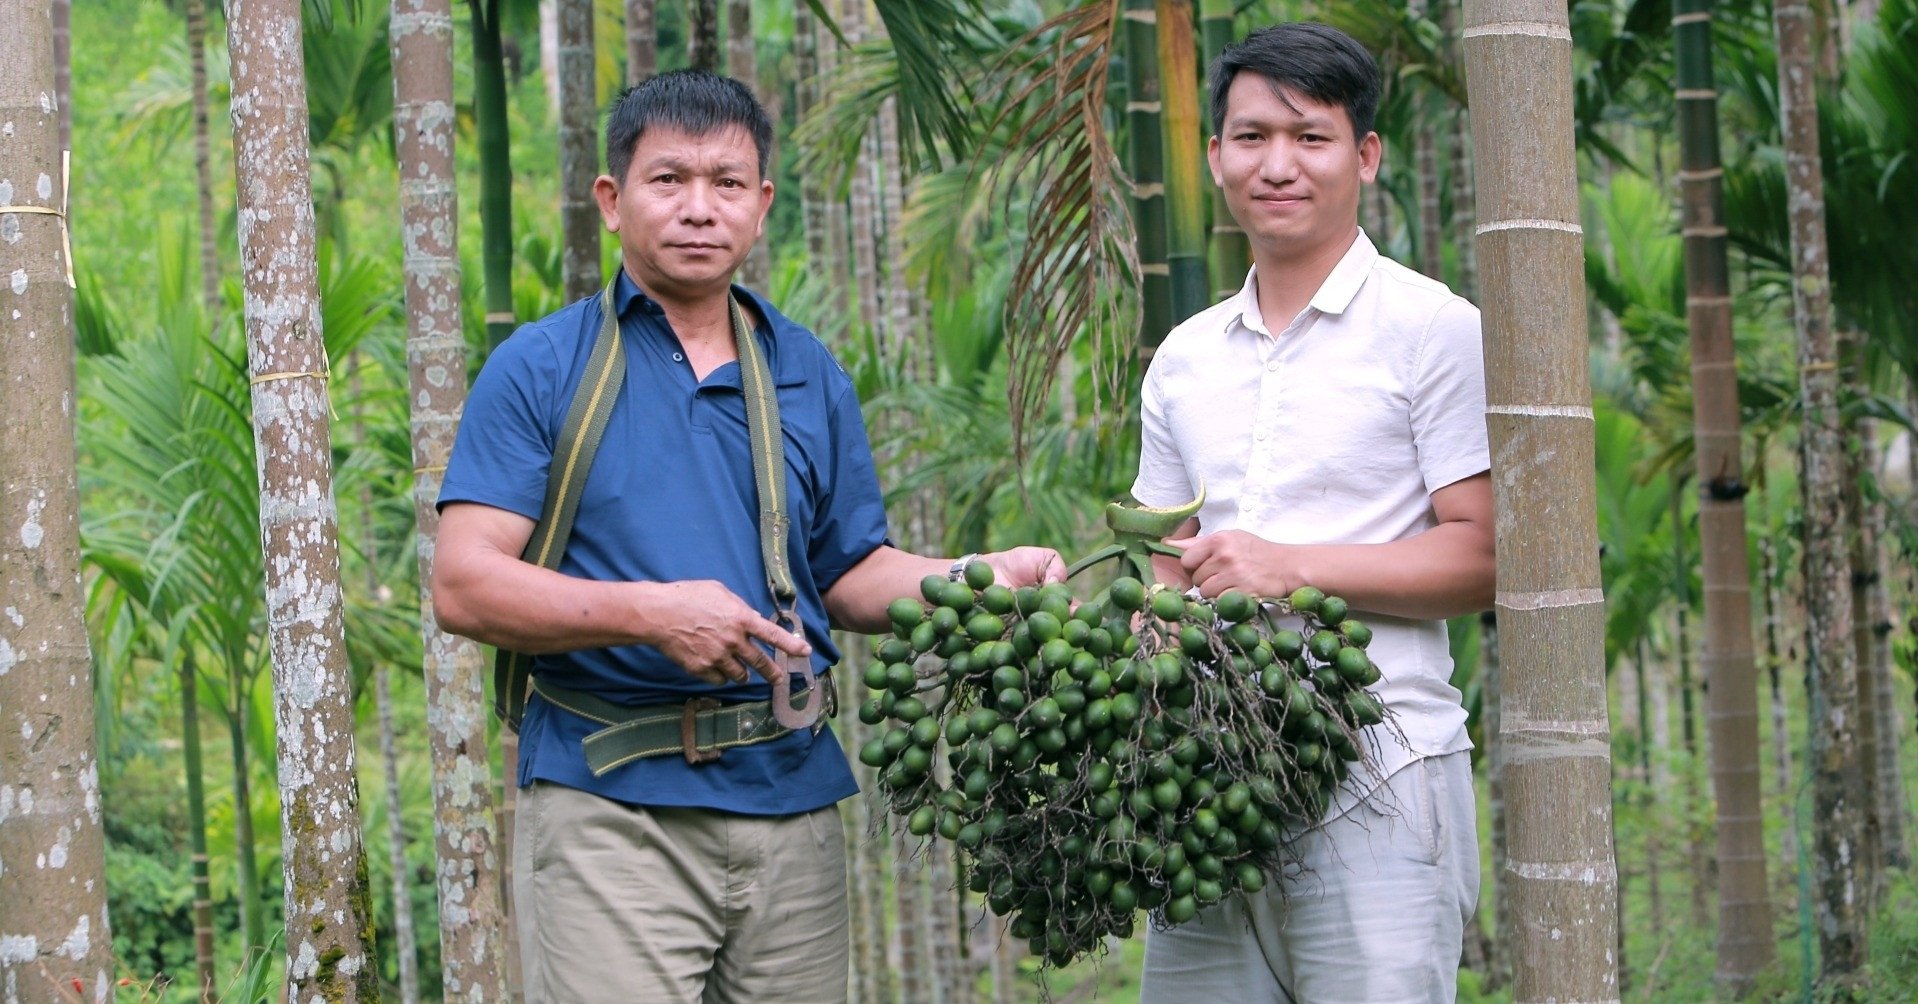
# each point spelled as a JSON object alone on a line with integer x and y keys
{"x": 693, "y": 101}
{"x": 1318, "y": 61}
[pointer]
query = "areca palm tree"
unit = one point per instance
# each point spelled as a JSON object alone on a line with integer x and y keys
{"x": 52, "y": 847}
{"x": 1562, "y": 871}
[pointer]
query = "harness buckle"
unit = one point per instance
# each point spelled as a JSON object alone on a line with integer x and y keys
{"x": 689, "y": 731}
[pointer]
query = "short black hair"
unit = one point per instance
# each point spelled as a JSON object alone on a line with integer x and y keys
{"x": 694, "y": 101}
{"x": 1316, "y": 60}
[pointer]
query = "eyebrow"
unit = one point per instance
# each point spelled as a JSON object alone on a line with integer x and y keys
{"x": 671, "y": 162}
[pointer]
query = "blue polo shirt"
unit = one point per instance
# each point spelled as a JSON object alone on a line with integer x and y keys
{"x": 671, "y": 497}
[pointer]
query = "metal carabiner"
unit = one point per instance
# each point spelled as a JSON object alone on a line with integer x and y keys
{"x": 785, "y": 712}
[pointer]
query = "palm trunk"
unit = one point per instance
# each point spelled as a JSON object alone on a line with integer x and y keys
{"x": 1463, "y": 209}
{"x": 1550, "y": 606}
{"x": 495, "y": 168}
{"x": 1890, "y": 788}
{"x": 405, "y": 943}
{"x": 1744, "y": 908}
{"x": 1697, "y": 858}
{"x": 203, "y": 158}
{"x": 1427, "y": 182}
{"x": 702, "y": 35}
{"x": 578, "y": 152}
{"x": 247, "y": 863}
{"x": 1498, "y": 968}
{"x": 53, "y": 896}
{"x": 742, "y": 65}
{"x": 1228, "y": 254}
{"x": 1780, "y": 715}
{"x": 63, "y": 68}
{"x": 642, "y": 40}
{"x": 1653, "y": 718}
{"x": 1841, "y": 924}
{"x": 1184, "y": 160}
{"x": 196, "y": 828}
{"x": 329, "y": 935}
{"x": 1145, "y": 161}
{"x": 424, "y": 119}
{"x": 1380, "y": 201}
{"x": 813, "y": 201}
{"x": 1862, "y": 567}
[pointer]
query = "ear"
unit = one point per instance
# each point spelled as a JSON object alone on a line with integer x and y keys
{"x": 765, "y": 207}
{"x": 606, "y": 193}
{"x": 1212, "y": 159}
{"x": 1371, "y": 152}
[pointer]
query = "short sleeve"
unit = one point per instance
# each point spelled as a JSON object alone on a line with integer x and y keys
{"x": 1448, "y": 402}
{"x": 1163, "y": 479}
{"x": 849, "y": 522}
{"x": 505, "y": 440}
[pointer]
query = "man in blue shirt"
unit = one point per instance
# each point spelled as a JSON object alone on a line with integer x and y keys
{"x": 662, "y": 879}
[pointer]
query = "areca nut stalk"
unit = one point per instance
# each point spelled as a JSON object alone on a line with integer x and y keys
{"x": 1837, "y": 857}
{"x": 1744, "y": 901}
{"x": 54, "y": 938}
{"x": 1560, "y": 873}
{"x": 1184, "y": 159}
{"x": 465, "y": 845}
{"x": 329, "y": 939}
{"x": 496, "y": 168}
{"x": 578, "y": 153}
{"x": 1145, "y": 161}
{"x": 1228, "y": 253}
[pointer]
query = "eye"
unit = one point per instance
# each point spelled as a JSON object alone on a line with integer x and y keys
{"x": 1247, "y": 137}
{"x": 666, "y": 178}
{"x": 731, "y": 183}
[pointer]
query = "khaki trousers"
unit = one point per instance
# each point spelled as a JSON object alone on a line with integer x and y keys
{"x": 620, "y": 903}
{"x": 1377, "y": 917}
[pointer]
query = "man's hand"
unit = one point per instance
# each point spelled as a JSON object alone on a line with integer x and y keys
{"x": 1235, "y": 559}
{"x": 711, "y": 633}
{"x": 1026, "y": 566}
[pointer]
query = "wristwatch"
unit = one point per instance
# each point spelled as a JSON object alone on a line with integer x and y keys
{"x": 959, "y": 564}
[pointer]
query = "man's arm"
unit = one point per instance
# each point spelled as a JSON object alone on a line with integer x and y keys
{"x": 1443, "y": 572}
{"x": 483, "y": 590}
{"x": 857, "y": 601}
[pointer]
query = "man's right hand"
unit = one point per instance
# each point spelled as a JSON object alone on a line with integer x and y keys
{"x": 712, "y": 633}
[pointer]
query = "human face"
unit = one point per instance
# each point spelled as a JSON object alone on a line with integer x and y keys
{"x": 1291, "y": 169}
{"x": 688, "y": 210}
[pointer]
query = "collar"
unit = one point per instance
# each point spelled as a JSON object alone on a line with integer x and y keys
{"x": 777, "y": 331}
{"x": 1335, "y": 294}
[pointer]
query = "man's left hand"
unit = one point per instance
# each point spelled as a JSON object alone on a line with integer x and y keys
{"x": 1026, "y": 566}
{"x": 1235, "y": 559}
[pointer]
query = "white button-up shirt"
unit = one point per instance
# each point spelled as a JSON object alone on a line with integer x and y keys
{"x": 1334, "y": 430}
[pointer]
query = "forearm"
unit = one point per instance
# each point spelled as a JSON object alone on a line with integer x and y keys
{"x": 857, "y": 601}
{"x": 1444, "y": 572}
{"x": 502, "y": 601}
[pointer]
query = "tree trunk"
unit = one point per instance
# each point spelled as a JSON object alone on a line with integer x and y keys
{"x": 1861, "y": 568}
{"x": 642, "y": 39}
{"x": 1427, "y": 180}
{"x": 1744, "y": 905}
{"x": 1780, "y": 717}
{"x": 1498, "y": 968}
{"x": 203, "y": 159}
{"x": 1185, "y": 165}
{"x": 195, "y": 767}
{"x": 495, "y": 168}
{"x": 1696, "y": 856}
{"x": 329, "y": 940}
{"x": 424, "y": 118}
{"x": 702, "y": 35}
{"x": 1654, "y": 713}
{"x": 1841, "y": 925}
{"x": 1551, "y": 610}
{"x": 1145, "y": 161}
{"x": 63, "y": 68}
{"x": 1229, "y": 254}
{"x": 578, "y": 151}
{"x": 813, "y": 200}
{"x": 245, "y": 842}
{"x": 54, "y": 937}
{"x": 742, "y": 65}
{"x": 404, "y": 941}
{"x": 1463, "y": 210}
{"x": 1380, "y": 201}
{"x": 1890, "y": 788}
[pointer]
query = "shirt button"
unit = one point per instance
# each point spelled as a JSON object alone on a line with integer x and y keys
{"x": 678, "y": 358}
{"x": 1272, "y": 366}
{"x": 1260, "y": 434}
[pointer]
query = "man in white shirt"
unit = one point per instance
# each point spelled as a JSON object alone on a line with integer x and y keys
{"x": 1334, "y": 412}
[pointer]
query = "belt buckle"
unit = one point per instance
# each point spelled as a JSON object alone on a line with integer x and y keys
{"x": 689, "y": 731}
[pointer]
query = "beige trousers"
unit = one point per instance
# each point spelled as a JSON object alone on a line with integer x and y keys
{"x": 620, "y": 903}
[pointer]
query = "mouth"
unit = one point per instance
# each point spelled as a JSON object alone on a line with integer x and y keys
{"x": 698, "y": 248}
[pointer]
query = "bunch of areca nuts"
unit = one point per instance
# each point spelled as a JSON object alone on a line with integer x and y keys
{"x": 1142, "y": 750}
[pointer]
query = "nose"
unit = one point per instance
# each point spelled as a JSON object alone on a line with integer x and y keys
{"x": 696, "y": 203}
{"x": 1280, "y": 163}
